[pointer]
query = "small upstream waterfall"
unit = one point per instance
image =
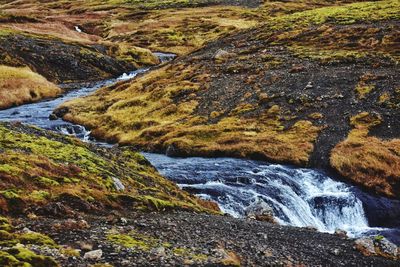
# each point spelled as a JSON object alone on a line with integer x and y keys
{"x": 38, "y": 113}
{"x": 298, "y": 197}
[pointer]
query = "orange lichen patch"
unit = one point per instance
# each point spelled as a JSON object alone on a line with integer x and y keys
{"x": 369, "y": 161}
{"x": 21, "y": 85}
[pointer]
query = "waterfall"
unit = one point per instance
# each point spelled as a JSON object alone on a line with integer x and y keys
{"x": 298, "y": 197}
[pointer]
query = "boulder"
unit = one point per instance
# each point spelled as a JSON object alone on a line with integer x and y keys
{"x": 341, "y": 233}
{"x": 222, "y": 55}
{"x": 385, "y": 248}
{"x": 377, "y": 245}
{"x": 366, "y": 246}
{"x": 93, "y": 255}
{"x": 260, "y": 211}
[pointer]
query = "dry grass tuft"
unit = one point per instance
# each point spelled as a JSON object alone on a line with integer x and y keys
{"x": 21, "y": 85}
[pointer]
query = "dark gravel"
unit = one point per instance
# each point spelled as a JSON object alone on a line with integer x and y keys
{"x": 180, "y": 237}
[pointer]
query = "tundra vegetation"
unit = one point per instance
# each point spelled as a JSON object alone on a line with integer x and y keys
{"x": 310, "y": 83}
{"x": 21, "y": 85}
{"x": 276, "y": 92}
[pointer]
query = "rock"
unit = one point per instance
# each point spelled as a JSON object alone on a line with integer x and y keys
{"x": 260, "y": 211}
{"x": 55, "y": 209}
{"x": 27, "y": 230}
{"x": 377, "y": 245}
{"x": 172, "y": 151}
{"x": 341, "y": 233}
{"x": 123, "y": 221}
{"x": 60, "y": 112}
{"x": 385, "y": 248}
{"x": 297, "y": 68}
{"x": 227, "y": 258}
{"x": 118, "y": 184}
{"x": 160, "y": 252}
{"x": 366, "y": 246}
{"x": 93, "y": 255}
{"x": 71, "y": 224}
{"x": 53, "y": 117}
{"x": 309, "y": 85}
{"x": 335, "y": 251}
{"x": 222, "y": 55}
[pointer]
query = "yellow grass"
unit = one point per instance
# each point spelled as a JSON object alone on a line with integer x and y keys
{"x": 369, "y": 161}
{"x": 21, "y": 85}
{"x": 143, "y": 113}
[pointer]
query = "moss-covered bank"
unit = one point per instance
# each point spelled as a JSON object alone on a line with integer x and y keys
{"x": 38, "y": 168}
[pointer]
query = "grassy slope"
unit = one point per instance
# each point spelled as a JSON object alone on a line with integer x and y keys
{"x": 268, "y": 95}
{"x": 38, "y": 168}
{"x": 171, "y": 26}
{"x": 367, "y": 160}
{"x": 21, "y": 85}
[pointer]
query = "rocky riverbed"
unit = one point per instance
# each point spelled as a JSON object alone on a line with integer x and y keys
{"x": 180, "y": 238}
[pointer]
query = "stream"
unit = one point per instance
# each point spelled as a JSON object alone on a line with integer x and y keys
{"x": 297, "y": 196}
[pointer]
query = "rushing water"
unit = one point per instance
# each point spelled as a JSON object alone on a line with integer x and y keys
{"x": 298, "y": 197}
{"x": 38, "y": 113}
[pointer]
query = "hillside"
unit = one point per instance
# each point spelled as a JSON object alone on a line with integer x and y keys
{"x": 54, "y": 169}
{"x": 288, "y": 91}
{"x": 118, "y": 210}
{"x": 21, "y": 85}
{"x": 304, "y": 83}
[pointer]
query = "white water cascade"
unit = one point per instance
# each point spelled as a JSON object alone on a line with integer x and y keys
{"x": 298, "y": 197}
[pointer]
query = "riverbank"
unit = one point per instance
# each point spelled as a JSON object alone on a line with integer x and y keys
{"x": 274, "y": 93}
{"x": 177, "y": 239}
{"x": 118, "y": 210}
{"x": 304, "y": 88}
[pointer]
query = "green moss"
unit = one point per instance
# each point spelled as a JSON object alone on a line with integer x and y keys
{"x": 181, "y": 251}
{"x": 27, "y": 256}
{"x": 4, "y": 235}
{"x": 326, "y": 55}
{"x": 5, "y": 224}
{"x": 47, "y": 181}
{"x": 8, "y": 168}
{"x": 199, "y": 257}
{"x": 133, "y": 240}
{"x": 7, "y": 239}
{"x": 379, "y": 238}
{"x": 37, "y": 239}
{"x": 49, "y": 164}
{"x": 70, "y": 252}
{"x": 365, "y": 120}
{"x": 160, "y": 204}
{"x": 10, "y": 194}
{"x": 347, "y": 14}
{"x": 5, "y": 32}
{"x": 363, "y": 89}
{"x": 9, "y": 260}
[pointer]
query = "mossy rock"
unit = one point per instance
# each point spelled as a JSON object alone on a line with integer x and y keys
{"x": 28, "y": 258}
